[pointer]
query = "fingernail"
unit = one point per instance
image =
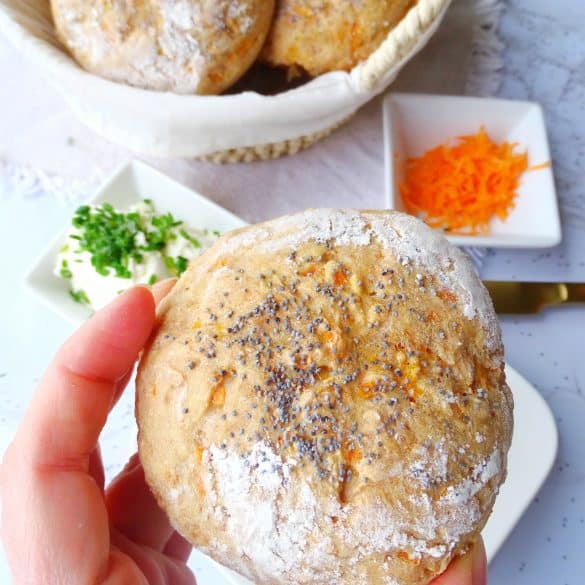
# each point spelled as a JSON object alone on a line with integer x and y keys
{"x": 479, "y": 564}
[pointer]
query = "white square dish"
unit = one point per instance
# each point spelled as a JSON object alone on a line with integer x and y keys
{"x": 413, "y": 124}
{"x": 131, "y": 184}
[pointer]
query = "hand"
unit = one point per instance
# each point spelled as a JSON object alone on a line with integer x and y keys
{"x": 468, "y": 570}
{"x": 59, "y": 524}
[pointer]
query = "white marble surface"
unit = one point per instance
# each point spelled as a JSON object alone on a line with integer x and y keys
{"x": 545, "y": 61}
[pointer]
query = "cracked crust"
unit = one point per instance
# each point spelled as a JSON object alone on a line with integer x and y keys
{"x": 325, "y": 401}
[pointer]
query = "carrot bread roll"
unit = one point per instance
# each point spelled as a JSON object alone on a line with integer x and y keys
{"x": 184, "y": 46}
{"x": 328, "y": 35}
{"x": 324, "y": 401}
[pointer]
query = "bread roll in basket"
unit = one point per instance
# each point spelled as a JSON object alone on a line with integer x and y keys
{"x": 228, "y": 128}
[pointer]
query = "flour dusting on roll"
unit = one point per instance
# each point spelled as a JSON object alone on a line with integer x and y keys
{"x": 324, "y": 401}
{"x": 183, "y": 46}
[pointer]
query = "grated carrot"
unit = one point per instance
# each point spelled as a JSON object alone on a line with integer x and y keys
{"x": 461, "y": 188}
{"x": 539, "y": 167}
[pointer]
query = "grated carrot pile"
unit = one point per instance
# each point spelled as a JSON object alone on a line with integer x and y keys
{"x": 460, "y": 188}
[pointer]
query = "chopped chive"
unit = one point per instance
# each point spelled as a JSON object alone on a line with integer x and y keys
{"x": 216, "y": 233}
{"x": 79, "y": 297}
{"x": 190, "y": 238}
{"x": 170, "y": 263}
{"x": 176, "y": 265}
{"x": 152, "y": 280}
{"x": 181, "y": 264}
{"x": 114, "y": 240}
{"x": 64, "y": 271}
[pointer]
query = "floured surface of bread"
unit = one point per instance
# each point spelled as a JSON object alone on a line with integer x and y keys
{"x": 325, "y": 402}
{"x": 330, "y": 35}
{"x": 184, "y": 46}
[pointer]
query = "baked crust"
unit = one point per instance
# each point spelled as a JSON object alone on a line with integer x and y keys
{"x": 329, "y": 35}
{"x": 184, "y": 46}
{"x": 324, "y": 401}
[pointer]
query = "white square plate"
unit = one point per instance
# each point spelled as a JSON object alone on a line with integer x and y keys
{"x": 413, "y": 124}
{"x": 129, "y": 185}
{"x": 531, "y": 458}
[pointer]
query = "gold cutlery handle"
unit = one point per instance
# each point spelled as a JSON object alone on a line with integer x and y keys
{"x": 575, "y": 292}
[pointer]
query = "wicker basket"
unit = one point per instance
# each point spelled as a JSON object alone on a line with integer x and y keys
{"x": 228, "y": 128}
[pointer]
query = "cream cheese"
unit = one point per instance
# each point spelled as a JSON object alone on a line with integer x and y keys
{"x": 181, "y": 244}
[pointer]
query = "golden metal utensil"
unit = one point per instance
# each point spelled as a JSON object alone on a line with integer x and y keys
{"x": 523, "y": 298}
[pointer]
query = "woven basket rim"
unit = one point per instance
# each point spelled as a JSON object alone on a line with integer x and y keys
{"x": 400, "y": 40}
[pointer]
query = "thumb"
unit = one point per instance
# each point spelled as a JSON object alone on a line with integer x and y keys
{"x": 470, "y": 569}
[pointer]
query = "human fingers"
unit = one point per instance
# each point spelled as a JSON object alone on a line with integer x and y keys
{"x": 131, "y": 507}
{"x": 156, "y": 567}
{"x": 54, "y": 520}
{"x": 133, "y": 510}
{"x": 470, "y": 569}
{"x": 96, "y": 467}
{"x": 178, "y": 548}
{"x": 73, "y": 399}
{"x": 161, "y": 289}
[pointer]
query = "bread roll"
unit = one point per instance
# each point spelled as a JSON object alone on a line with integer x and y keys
{"x": 329, "y": 35}
{"x": 183, "y": 46}
{"x": 324, "y": 401}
